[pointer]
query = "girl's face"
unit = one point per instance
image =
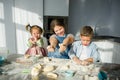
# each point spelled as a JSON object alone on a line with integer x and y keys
{"x": 36, "y": 33}
{"x": 59, "y": 30}
{"x": 85, "y": 40}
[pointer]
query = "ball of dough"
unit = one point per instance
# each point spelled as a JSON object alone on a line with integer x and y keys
{"x": 48, "y": 68}
{"x": 38, "y": 66}
{"x": 36, "y": 70}
{"x": 52, "y": 75}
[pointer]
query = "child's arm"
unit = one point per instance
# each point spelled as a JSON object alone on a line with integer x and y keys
{"x": 77, "y": 60}
{"x": 30, "y": 42}
{"x": 40, "y": 42}
{"x": 53, "y": 42}
{"x": 90, "y": 60}
{"x": 87, "y": 61}
{"x": 68, "y": 40}
{"x": 82, "y": 62}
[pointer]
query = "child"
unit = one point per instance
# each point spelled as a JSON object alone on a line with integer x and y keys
{"x": 35, "y": 43}
{"x": 85, "y": 51}
{"x": 60, "y": 42}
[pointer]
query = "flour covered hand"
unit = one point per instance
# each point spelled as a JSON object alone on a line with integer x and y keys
{"x": 62, "y": 47}
{"x": 50, "y": 48}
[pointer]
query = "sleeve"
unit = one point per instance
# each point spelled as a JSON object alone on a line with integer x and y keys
{"x": 70, "y": 35}
{"x": 72, "y": 52}
{"x": 29, "y": 44}
{"x": 40, "y": 42}
{"x": 96, "y": 55}
{"x": 53, "y": 36}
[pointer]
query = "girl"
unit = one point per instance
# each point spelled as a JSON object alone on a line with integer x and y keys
{"x": 60, "y": 42}
{"x": 35, "y": 43}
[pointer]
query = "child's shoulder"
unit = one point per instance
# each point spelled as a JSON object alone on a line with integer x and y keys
{"x": 69, "y": 34}
{"x": 93, "y": 44}
{"x": 77, "y": 43}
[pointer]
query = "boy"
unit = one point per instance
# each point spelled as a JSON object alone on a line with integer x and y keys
{"x": 85, "y": 51}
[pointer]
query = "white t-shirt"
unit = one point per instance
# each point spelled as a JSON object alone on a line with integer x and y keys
{"x": 83, "y": 55}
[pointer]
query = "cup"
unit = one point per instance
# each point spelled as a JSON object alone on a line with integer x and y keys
{"x": 1, "y": 60}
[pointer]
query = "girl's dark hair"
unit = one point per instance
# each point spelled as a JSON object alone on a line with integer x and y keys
{"x": 56, "y": 22}
{"x": 86, "y": 31}
{"x": 30, "y": 28}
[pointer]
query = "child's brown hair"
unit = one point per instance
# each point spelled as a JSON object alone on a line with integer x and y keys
{"x": 86, "y": 31}
{"x": 30, "y": 28}
{"x": 56, "y": 22}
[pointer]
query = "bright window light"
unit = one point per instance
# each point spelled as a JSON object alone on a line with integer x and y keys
{"x": 24, "y": 17}
{"x": 2, "y": 35}
{"x": 1, "y": 11}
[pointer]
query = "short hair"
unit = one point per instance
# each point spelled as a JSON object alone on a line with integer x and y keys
{"x": 86, "y": 31}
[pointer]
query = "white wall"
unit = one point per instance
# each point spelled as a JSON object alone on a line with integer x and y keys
{"x": 14, "y": 15}
{"x": 102, "y": 14}
{"x": 109, "y": 50}
{"x": 56, "y": 7}
{"x": 26, "y": 11}
{"x": 7, "y": 26}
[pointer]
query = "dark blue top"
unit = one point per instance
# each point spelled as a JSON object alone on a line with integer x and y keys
{"x": 56, "y": 53}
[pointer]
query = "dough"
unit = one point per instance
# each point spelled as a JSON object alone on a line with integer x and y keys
{"x": 97, "y": 69}
{"x": 66, "y": 67}
{"x": 91, "y": 66}
{"x": 93, "y": 78}
{"x": 35, "y": 78}
{"x": 26, "y": 56}
{"x": 46, "y": 59}
{"x": 84, "y": 69}
{"x": 38, "y": 66}
{"x": 36, "y": 70}
{"x": 52, "y": 75}
{"x": 48, "y": 68}
{"x": 86, "y": 77}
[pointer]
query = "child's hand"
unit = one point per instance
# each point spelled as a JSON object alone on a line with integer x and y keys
{"x": 77, "y": 60}
{"x": 84, "y": 63}
{"x": 62, "y": 47}
{"x": 33, "y": 40}
{"x": 50, "y": 48}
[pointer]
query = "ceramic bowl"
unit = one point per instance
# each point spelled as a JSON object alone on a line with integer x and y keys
{"x": 2, "y": 59}
{"x": 69, "y": 73}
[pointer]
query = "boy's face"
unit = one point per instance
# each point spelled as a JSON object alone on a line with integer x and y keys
{"x": 85, "y": 40}
{"x": 59, "y": 30}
